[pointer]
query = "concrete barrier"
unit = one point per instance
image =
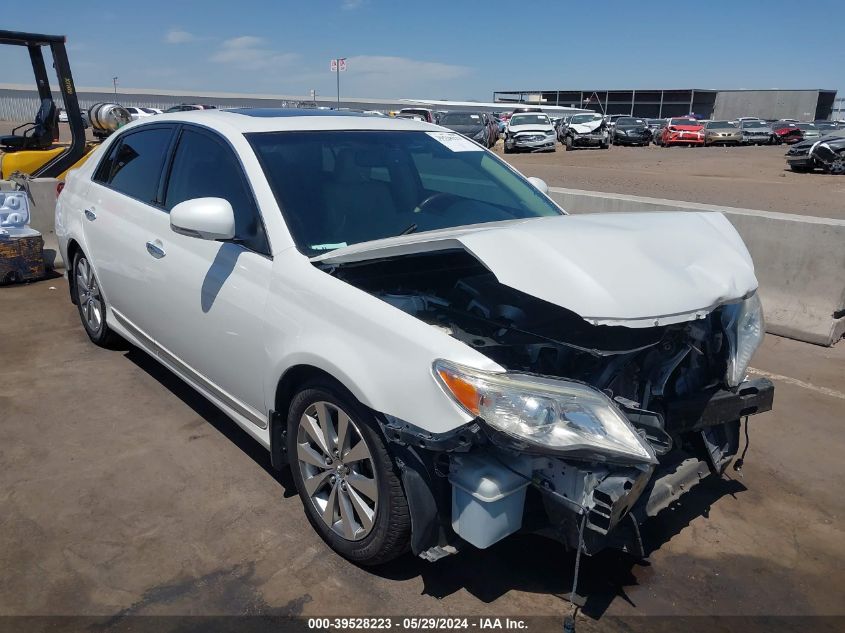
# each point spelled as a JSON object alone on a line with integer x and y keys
{"x": 799, "y": 260}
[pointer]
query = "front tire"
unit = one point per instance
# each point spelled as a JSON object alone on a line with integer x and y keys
{"x": 90, "y": 302}
{"x": 346, "y": 479}
{"x": 568, "y": 144}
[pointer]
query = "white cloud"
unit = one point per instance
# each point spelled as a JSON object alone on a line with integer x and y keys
{"x": 248, "y": 51}
{"x": 178, "y": 36}
{"x": 414, "y": 69}
{"x": 351, "y": 5}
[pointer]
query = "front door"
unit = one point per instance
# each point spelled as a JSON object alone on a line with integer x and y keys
{"x": 209, "y": 296}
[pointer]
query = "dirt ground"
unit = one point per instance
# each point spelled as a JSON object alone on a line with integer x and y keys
{"x": 753, "y": 177}
{"x": 122, "y": 491}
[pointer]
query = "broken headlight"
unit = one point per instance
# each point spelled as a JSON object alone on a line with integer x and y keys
{"x": 744, "y": 327}
{"x": 558, "y": 416}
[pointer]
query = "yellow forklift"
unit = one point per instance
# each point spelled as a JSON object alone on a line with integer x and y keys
{"x": 34, "y": 148}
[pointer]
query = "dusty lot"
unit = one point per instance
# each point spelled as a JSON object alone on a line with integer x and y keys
{"x": 124, "y": 492}
{"x": 748, "y": 177}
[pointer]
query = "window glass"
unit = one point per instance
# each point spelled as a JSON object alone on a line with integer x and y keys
{"x": 385, "y": 183}
{"x": 203, "y": 167}
{"x": 138, "y": 163}
{"x": 104, "y": 168}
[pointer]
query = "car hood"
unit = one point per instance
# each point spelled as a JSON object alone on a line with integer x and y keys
{"x": 632, "y": 269}
{"x": 586, "y": 128}
{"x": 518, "y": 129}
{"x": 632, "y": 128}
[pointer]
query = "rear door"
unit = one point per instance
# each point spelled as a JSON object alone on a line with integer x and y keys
{"x": 210, "y": 295}
{"x": 123, "y": 193}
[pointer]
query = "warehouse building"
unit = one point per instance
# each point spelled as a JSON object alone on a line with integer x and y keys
{"x": 804, "y": 105}
{"x": 20, "y": 102}
{"x": 838, "y": 113}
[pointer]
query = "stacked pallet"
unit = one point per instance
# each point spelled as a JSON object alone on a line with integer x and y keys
{"x": 21, "y": 257}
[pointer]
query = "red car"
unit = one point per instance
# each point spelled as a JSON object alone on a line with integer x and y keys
{"x": 683, "y": 131}
{"x": 786, "y": 132}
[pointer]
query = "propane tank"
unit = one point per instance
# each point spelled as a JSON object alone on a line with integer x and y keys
{"x": 105, "y": 118}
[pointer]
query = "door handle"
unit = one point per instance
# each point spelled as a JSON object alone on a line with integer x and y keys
{"x": 90, "y": 215}
{"x": 155, "y": 250}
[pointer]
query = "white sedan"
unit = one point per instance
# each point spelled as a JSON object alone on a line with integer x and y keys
{"x": 437, "y": 351}
{"x": 530, "y": 131}
{"x": 141, "y": 113}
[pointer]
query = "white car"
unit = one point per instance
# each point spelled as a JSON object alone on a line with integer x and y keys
{"x": 440, "y": 353}
{"x": 140, "y": 113}
{"x": 531, "y": 131}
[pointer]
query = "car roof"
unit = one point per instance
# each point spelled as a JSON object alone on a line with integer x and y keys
{"x": 256, "y": 120}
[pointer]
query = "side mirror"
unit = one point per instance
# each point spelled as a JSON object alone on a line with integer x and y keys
{"x": 539, "y": 183}
{"x": 205, "y": 218}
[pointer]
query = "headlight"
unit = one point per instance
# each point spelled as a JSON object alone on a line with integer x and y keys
{"x": 745, "y": 327}
{"x": 557, "y": 416}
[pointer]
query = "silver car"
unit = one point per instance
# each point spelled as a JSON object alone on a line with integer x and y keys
{"x": 756, "y": 132}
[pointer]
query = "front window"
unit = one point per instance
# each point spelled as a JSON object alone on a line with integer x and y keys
{"x": 530, "y": 119}
{"x": 683, "y": 122}
{"x": 461, "y": 118}
{"x": 340, "y": 188}
{"x": 584, "y": 118}
{"x": 629, "y": 122}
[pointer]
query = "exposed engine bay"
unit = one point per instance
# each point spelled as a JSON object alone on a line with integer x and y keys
{"x": 669, "y": 381}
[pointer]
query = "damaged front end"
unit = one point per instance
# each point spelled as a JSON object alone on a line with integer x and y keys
{"x": 592, "y": 427}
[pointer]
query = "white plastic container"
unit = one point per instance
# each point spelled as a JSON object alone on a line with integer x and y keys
{"x": 487, "y": 498}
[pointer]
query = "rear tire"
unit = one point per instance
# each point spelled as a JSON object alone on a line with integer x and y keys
{"x": 354, "y": 498}
{"x": 568, "y": 143}
{"x": 90, "y": 303}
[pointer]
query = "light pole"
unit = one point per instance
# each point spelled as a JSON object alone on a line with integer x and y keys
{"x": 114, "y": 82}
{"x": 339, "y": 65}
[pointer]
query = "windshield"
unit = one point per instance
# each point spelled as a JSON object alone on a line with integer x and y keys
{"x": 629, "y": 122}
{"x": 806, "y": 126}
{"x": 684, "y": 122}
{"x": 657, "y": 121}
{"x": 584, "y": 118}
{"x": 720, "y": 124}
{"x": 344, "y": 187}
{"x": 753, "y": 124}
{"x": 529, "y": 119}
{"x": 826, "y": 125}
{"x": 461, "y": 118}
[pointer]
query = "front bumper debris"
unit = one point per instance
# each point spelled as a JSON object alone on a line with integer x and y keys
{"x": 534, "y": 142}
{"x": 616, "y": 499}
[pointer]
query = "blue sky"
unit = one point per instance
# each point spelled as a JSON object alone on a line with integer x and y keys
{"x": 434, "y": 49}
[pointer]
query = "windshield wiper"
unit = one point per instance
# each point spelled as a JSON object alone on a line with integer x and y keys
{"x": 409, "y": 230}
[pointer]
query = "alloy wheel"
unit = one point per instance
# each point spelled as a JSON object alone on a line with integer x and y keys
{"x": 337, "y": 470}
{"x": 88, "y": 295}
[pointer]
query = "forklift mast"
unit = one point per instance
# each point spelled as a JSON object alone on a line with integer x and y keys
{"x": 34, "y": 42}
